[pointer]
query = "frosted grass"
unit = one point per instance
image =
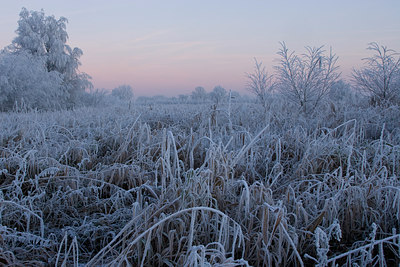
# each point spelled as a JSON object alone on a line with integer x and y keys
{"x": 192, "y": 185}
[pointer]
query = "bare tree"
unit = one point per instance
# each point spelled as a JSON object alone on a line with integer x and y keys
{"x": 306, "y": 79}
{"x": 380, "y": 78}
{"x": 260, "y": 83}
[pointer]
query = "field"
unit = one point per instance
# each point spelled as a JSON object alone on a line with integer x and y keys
{"x": 200, "y": 185}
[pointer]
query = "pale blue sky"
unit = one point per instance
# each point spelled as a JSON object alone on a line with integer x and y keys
{"x": 170, "y": 47}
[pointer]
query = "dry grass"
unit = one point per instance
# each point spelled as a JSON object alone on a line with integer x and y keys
{"x": 186, "y": 185}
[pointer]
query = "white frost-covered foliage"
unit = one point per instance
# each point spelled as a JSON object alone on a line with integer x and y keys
{"x": 44, "y": 38}
{"x": 218, "y": 94}
{"x": 260, "y": 83}
{"x": 123, "y": 92}
{"x": 199, "y": 94}
{"x": 184, "y": 185}
{"x": 307, "y": 78}
{"x": 380, "y": 77}
{"x": 25, "y": 82}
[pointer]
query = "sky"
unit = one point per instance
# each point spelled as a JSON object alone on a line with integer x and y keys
{"x": 170, "y": 47}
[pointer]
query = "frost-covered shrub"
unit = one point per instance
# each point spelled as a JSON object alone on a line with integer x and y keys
{"x": 380, "y": 77}
{"x": 260, "y": 83}
{"x": 307, "y": 78}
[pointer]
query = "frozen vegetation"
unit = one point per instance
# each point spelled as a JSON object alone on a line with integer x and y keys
{"x": 188, "y": 184}
{"x": 307, "y": 173}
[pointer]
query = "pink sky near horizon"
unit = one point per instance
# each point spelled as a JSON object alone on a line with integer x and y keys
{"x": 170, "y": 47}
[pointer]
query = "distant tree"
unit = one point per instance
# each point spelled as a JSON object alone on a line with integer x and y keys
{"x": 199, "y": 94}
{"x": 45, "y": 37}
{"x": 123, "y": 92}
{"x": 25, "y": 80}
{"x": 235, "y": 96}
{"x": 95, "y": 97}
{"x": 340, "y": 91}
{"x": 380, "y": 78}
{"x": 259, "y": 83}
{"x": 143, "y": 100}
{"x": 183, "y": 98}
{"x": 160, "y": 99}
{"x": 218, "y": 94}
{"x": 306, "y": 79}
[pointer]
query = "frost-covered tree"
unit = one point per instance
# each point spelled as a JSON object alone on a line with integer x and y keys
{"x": 341, "y": 91}
{"x": 123, "y": 92}
{"x": 45, "y": 38}
{"x": 235, "y": 96}
{"x": 183, "y": 98}
{"x": 259, "y": 83}
{"x": 380, "y": 78}
{"x": 95, "y": 97}
{"x": 306, "y": 79}
{"x": 218, "y": 94}
{"x": 199, "y": 94}
{"x": 24, "y": 80}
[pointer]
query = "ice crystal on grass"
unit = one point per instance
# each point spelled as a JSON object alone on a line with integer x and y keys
{"x": 133, "y": 185}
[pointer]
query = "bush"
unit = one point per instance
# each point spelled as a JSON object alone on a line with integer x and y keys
{"x": 380, "y": 78}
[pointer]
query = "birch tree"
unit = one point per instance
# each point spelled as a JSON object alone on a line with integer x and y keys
{"x": 45, "y": 38}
